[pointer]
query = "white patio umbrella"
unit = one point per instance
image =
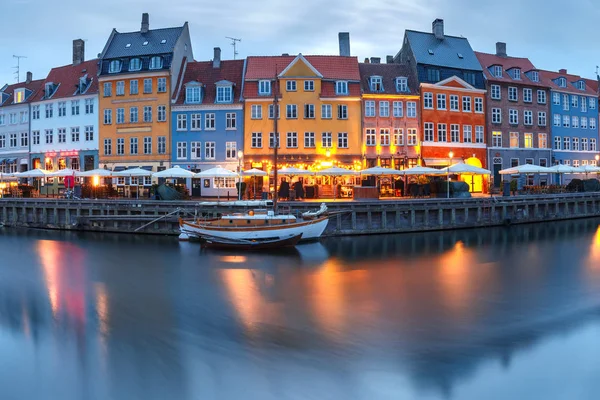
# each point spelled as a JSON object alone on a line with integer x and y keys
{"x": 254, "y": 172}
{"x": 133, "y": 173}
{"x": 380, "y": 171}
{"x": 175, "y": 172}
{"x": 217, "y": 172}
{"x": 528, "y": 169}
{"x": 34, "y": 173}
{"x": 5, "y": 177}
{"x": 419, "y": 170}
{"x": 62, "y": 173}
{"x": 336, "y": 171}
{"x": 103, "y": 173}
{"x": 466, "y": 169}
{"x": 291, "y": 171}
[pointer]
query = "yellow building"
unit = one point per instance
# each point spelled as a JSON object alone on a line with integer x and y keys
{"x": 138, "y": 77}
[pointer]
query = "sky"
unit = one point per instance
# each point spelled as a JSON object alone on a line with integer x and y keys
{"x": 43, "y": 30}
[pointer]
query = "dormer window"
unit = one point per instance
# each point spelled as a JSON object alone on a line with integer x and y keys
{"x": 581, "y": 85}
{"x": 401, "y": 84}
{"x": 135, "y": 64}
{"x": 19, "y": 96}
{"x": 224, "y": 94}
{"x": 48, "y": 90}
{"x": 114, "y": 66}
{"x": 163, "y": 41}
{"x": 376, "y": 84}
{"x": 341, "y": 87}
{"x": 156, "y": 62}
{"x": 264, "y": 87}
{"x": 497, "y": 71}
{"x": 517, "y": 74}
{"x": 562, "y": 82}
{"x": 535, "y": 76}
{"x": 83, "y": 83}
{"x": 192, "y": 94}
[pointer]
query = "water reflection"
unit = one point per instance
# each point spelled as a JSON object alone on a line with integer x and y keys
{"x": 438, "y": 315}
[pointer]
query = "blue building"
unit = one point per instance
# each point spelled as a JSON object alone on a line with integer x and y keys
{"x": 207, "y": 122}
{"x": 574, "y": 110}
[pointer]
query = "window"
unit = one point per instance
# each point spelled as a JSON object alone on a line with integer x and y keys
{"x": 290, "y": 86}
{"x": 384, "y": 137}
{"x": 272, "y": 140}
{"x": 535, "y": 77}
{"x": 567, "y": 143}
{"x": 541, "y": 118}
{"x": 120, "y": 115}
{"x": 454, "y": 103}
{"x": 35, "y": 112}
{"x": 89, "y": 133}
{"x": 309, "y": 140}
{"x": 441, "y": 101}
{"x": 156, "y": 62}
{"x": 557, "y": 143}
{"x": 528, "y": 140}
{"x": 291, "y": 111}
{"x": 192, "y": 94}
{"x": 309, "y": 86}
{"x": 575, "y": 122}
{"x": 162, "y": 113}
{"x": 195, "y": 150}
{"x": 2, "y": 141}
{"x": 592, "y": 144}
{"x": 120, "y": 88}
{"x": 342, "y": 140}
{"x": 584, "y": 144}
{"x": 133, "y": 86}
{"x": 133, "y": 145}
{"x": 107, "y": 117}
{"x": 256, "y": 140}
{"x": 497, "y": 71}
{"x": 309, "y": 111}
{"x": 566, "y": 102}
{"x": 341, "y": 87}
{"x": 264, "y": 87}
{"x": 478, "y": 105}
{"x": 496, "y": 95}
{"x": 133, "y": 115}
{"x": 114, "y": 66}
{"x": 496, "y": 115}
{"x": 147, "y": 145}
{"x": 13, "y": 118}
{"x": 514, "y": 139}
{"x": 401, "y": 84}
{"x": 209, "y": 121}
{"x": 196, "y": 121}
{"x": 513, "y": 94}
{"x": 181, "y": 122}
{"x": 147, "y": 113}
{"x": 557, "y": 120}
{"x": 19, "y": 96}
{"x": 271, "y": 113}
{"x": 467, "y": 134}
{"x": 592, "y": 123}
{"x": 107, "y": 92}
{"x": 369, "y": 108}
{"x": 256, "y": 111}
{"x": 62, "y": 110}
{"x": 479, "y": 132}
{"x": 513, "y": 117}
{"x": 49, "y": 136}
{"x": 592, "y": 103}
{"x": 108, "y": 147}
{"x": 135, "y": 64}
{"x": 496, "y": 139}
{"x": 556, "y": 98}
{"x": 13, "y": 139}
{"x": 527, "y": 95}
{"x": 433, "y": 75}
{"x": 455, "y": 133}
{"x": 326, "y": 111}
{"x": 224, "y": 94}
{"x": 576, "y": 144}
{"x": 584, "y": 122}
{"x": 466, "y": 103}
{"x": 230, "y": 121}
{"x": 161, "y": 84}
{"x": 35, "y": 137}
{"x": 528, "y": 117}
{"x": 583, "y": 104}
{"x": 162, "y": 145}
{"x": 517, "y": 74}
{"x": 398, "y": 137}
{"x": 411, "y": 109}
{"x": 428, "y": 132}
{"x": 428, "y": 101}
{"x": 562, "y": 82}
{"x": 24, "y": 139}
{"x": 181, "y": 150}
{"x": 147, "y": 86}
{"x": 541, "y": 97}
{"x": 74, "y": 107}
{"x": 397, "y": 108}
{"x": 292, "y": 139}
{"x": 566, "y": 121}
{"x": 342, "y": 111}
{"x": 442, "y": 134}
{"x": 230, "y": 150}
{"x": 412, "y": 137}
{"x": 89, "y": 106}
{"x": 384, "y": 109}
{"x": 371, "y": 138}
{"x": 575, "y": 101}
{"x": 49, "y": 110}
{"x": 326, "y": 140}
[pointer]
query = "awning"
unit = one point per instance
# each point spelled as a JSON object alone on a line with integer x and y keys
{"x": 11, "y": 160}
{"x": 24, "y": 161}
{"x": 437, "y": 162}
{"x": 147, "y": 167}
{"x": 2, "y": 160}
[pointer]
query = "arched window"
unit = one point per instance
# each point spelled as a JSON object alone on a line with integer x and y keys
{"x": 114, "y": 67}
{"x": 135, "y": 64}
{"x": 156, "y": 62}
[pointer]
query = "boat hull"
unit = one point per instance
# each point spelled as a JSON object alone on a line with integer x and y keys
{"x": 252, "y": 245}
{"x": 310, "y": 230}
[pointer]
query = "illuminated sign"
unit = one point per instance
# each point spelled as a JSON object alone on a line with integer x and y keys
{"x": 63, "y": 153}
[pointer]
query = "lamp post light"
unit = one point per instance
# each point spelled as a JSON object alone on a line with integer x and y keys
{"x": 597, "y": 158}
{"x": 240, "y": 155}
{"x": 450, "y": 156}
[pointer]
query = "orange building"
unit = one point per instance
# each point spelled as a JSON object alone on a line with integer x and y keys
{"x": 137, "y": 77}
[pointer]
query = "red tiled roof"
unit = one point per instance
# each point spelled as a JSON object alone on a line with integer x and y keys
{"x": 592, "y": 83}
{"x": 547, "y": 78}
{"x": 487, "y": 60}
{"x": 68, "y": 76}
{"x": 388, "y": 73}
{"x": 34, "y": 86}
{"x": 331, "y": 67}
{"x": 203, "y": 72}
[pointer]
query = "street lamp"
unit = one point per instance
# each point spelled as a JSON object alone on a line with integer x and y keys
{"x": 450, "y": 156}
{"x": 597, "y": 158}
{"x": 240, "y": 155}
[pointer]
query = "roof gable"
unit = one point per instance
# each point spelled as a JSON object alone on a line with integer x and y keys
{"x": 135, "y": 44}
{"x": 203, "y": 74}
{"x": 330, "y": 67}
{"x": 300, "y": 67}
{"x": 455, "y": 82}
{"x": 66, "y": 80}
{"x": 451, "y": 52}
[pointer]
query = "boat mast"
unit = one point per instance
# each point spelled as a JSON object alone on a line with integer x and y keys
{"x": 275, "y": 139}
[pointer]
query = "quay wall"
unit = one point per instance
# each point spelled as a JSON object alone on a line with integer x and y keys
{"x": 355, "y": 218}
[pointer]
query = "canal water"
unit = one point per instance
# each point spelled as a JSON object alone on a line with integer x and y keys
{"x": 502, "y": 313}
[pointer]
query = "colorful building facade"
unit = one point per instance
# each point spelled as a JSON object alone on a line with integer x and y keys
{"x": 391, "y": 106}
{"x": 137, "y": 76}
{"x": 518, "y": 111}
{"x": 208, "y": 122}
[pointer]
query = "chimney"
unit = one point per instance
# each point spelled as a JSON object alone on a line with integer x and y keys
{"x": 78, "y": 51}
{"x": 29, "y": 77}
{"x": 367, "y": 60}
{"x": 501, "y": 49}
{"x": 562, "y": 71}
{"x": 438, "y": 28}
{"x": 344, "y": 38}
{"x": 389, "y": 59}
{"x": 145, "y": 23}
{"x": 217, "y": 58}
{"x": 375, "y": 60}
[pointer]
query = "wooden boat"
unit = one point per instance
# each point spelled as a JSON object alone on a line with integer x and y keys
{"x": 252, "y": 245}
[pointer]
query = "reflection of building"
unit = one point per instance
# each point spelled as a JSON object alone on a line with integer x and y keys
{"x": 517, "y": 106}
{"x": 14, "y": 124}
{"x": 207, "y": 120}
{"x": 64, "y": 119}
{"x": 452, "y": 97}
{"x": 137, "y": 71}
{"x": 390, "y": 112}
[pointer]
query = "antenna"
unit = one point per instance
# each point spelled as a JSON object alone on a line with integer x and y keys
{"x": 234, "y": 44}
{"x": 18, "y": 67}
